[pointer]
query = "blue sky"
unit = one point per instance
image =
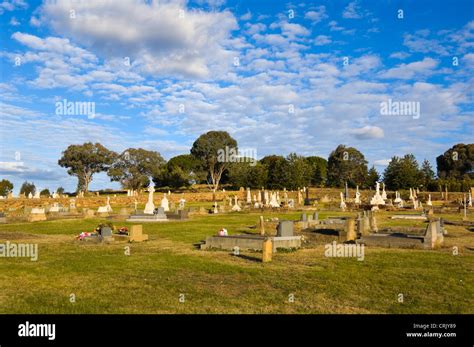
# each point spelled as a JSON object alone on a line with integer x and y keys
{"x": 280, "y": 76}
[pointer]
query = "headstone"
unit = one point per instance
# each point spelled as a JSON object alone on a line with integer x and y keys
{"x": 384, "y": 193}
{"x": 429, "y": 203}
{"x": 262, "y": 225}
{"x": 357, "y": 197}
{"x": 165, "y": 203}
{"x": 300, "y": 198}
{"x": 285, "y": 228}
{"x": 249, "y": 196}
{"x": 350, "y": 230}
{"x": 373, "y": 222}
{"x": 273, "y": 200}
{"x": 267, "y": 250}
{"x": 377, "y": 199}
{"x": 103, "y": 210}
{"x": 343, "y": 203}
{"x": 106, "y": 232}
{"x": 124, "y": 211}
{"x": 236, "y": 207}
{"x": 107, "y": 205}
{"x": 37, "y": 214}
{"x": 54, "y": 208}
{"x": 136, "y": 234}
{"x": 150, "y": 206}
{"x": 88, "y": 213}
{"x": 182, "y": 214}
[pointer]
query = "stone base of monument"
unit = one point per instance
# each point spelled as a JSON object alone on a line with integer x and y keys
{"x": 36, "y": 217}
{"x": 179, "y": 215}
{"x": 432, "y": 238}
{"x": 251, "y": 242}
{"x": 147, "y": 218}
{"x": 135, "y": 235}
{"x": 409, "y": 216}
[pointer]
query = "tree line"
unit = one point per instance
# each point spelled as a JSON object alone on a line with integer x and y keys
{"x": 136, "y": 168}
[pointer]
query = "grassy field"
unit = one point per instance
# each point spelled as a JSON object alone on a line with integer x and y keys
{"x": 156, "y": 274}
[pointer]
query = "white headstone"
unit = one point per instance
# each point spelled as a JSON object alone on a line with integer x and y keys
{"x": 397, "y": 198}
{"x": 429, "y": 203}
{"x": 357, "y": 198}
{"x": 107, "y": 205}
{"x": 150, "y": 206}
{"x": 343, "y": 203}
{"x": 377, "y": 199}
{"x": 236, "y": 207}
{"x": 273, "y": 200}
{"x": 165, "y": 203}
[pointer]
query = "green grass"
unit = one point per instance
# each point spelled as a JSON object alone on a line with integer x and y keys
{"x": 152, "y": 277}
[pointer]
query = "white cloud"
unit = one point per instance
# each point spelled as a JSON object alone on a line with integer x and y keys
{"x": 333, "y": 26}
{"x": 352, "y": 11}
{"x": 382, "y": 162}
{"x": 246, "y": 16}
{"x": 35, "y": 22}
{"x": 408, "y": 71}
{"x": 12, "y": 5}
{"x": 316, "y": 15}
{"x": 419, "y": 43}
{"x": 368, "y": 133}
{"x": 162, "y": 38}
{"x": 321, "y": 40}
{"x": 19, "y": 169}
{"x": 400, "y": 55}
{"x": 14, "y": 22}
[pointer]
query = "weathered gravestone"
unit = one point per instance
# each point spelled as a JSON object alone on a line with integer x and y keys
{"x": 285, "y": 228}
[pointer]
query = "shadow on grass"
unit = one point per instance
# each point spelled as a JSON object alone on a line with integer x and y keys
{"x": 247, "y": 257}
{"x": 330, "y": 232}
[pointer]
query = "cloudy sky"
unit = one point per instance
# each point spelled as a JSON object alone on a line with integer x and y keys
{"x": 279, "y": 76}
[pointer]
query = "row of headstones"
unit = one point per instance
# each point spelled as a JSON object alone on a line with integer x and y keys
{"x": 33, "y": 196}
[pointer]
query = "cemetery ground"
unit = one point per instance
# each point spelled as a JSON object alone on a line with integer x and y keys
{"x": 153, "y": 278}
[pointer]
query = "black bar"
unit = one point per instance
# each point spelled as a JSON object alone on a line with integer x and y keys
{"x": 323, "y": 330}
